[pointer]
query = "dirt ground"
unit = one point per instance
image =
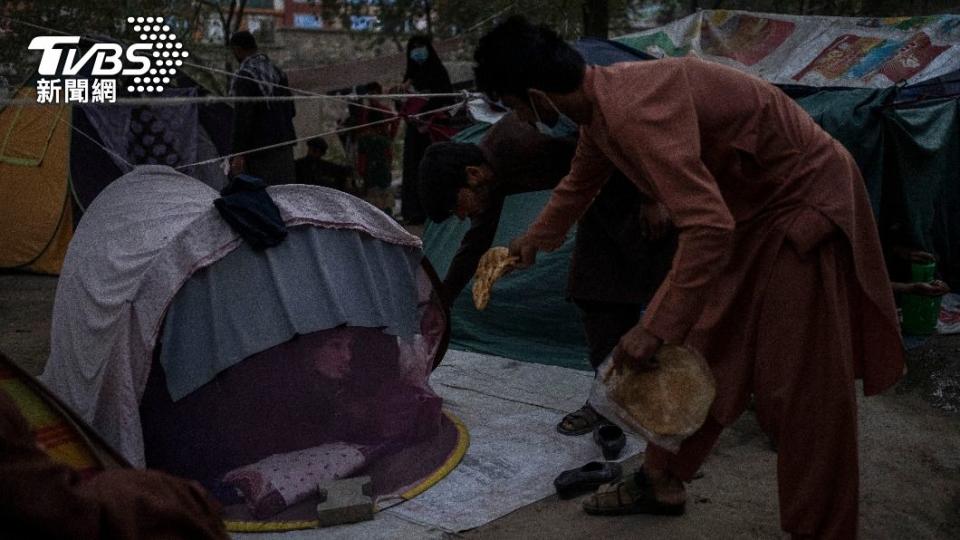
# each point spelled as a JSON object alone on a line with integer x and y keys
{"x": 909, "y": 448}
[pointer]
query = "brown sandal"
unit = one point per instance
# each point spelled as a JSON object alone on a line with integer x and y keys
{"x": 582, "y": 421}
{"x": 633, "y": 495}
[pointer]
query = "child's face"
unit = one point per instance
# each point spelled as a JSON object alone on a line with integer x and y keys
{"x": 332, "y": 360}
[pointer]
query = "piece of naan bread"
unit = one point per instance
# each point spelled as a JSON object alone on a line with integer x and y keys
{"x": 671, "y": 400}
{"x": 494, "y": 263}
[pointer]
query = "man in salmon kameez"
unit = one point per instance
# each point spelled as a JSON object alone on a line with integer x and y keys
{"x": 778, "y": 278}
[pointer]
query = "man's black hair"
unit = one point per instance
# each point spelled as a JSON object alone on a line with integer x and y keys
{"x": 318, "y": 143}
{"x": 243, "y": 40}
{"x": 442, "y": 174}
{"x": 516, "y": 56}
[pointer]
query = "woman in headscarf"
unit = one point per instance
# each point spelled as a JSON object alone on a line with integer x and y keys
{"x": 425, "y": 74}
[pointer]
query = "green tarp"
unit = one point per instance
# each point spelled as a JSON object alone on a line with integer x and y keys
{"x": 922, "y": 151}
{"x": 910, "y": 160}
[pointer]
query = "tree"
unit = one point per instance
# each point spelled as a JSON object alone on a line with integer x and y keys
{"x": 230, "y": 15}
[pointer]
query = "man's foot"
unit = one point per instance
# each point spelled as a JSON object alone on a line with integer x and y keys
{"x": 581, "y": 421}
{"x": 639, "y": 494}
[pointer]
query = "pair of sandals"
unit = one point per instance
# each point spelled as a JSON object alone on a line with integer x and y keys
{"x": 632, "y": 495}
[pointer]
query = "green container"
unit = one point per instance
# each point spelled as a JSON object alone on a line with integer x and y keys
{"x": 920, "y": 312}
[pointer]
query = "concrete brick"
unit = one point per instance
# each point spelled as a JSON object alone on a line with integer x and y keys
{"x": 345, "y": 501}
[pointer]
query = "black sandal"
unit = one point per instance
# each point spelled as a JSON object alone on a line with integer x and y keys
{"x": 585, "y": 417}
{"x": 634, "y": 495}
{"x": 587, "y": 478}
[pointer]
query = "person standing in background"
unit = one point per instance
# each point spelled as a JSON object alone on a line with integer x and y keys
{"x": 425, "y": 74}
{"x": 375, "y": 148}
{"x": 315, "y": 170}
{"x": 262, "y": 123}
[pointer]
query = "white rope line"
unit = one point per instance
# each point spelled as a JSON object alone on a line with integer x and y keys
{"x": 490, "y": 18}
{"x": 130, "y": 166}
{"x": 324, "y": 134}
{"x": 94, "y": 141}
{"x": 278, "y": 85}
{"x": 206, "y": 100}
{"x": 349, "y": 99}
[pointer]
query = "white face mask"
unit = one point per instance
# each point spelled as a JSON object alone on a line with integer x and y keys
{"x": 564, "y": 126}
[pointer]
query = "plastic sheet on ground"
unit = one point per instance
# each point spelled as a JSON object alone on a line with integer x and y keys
{"x": 511, "y": 409}
{"x": 949, "y": 320}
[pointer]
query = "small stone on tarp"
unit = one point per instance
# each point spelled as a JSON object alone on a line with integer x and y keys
{"x": 345, "y": 501}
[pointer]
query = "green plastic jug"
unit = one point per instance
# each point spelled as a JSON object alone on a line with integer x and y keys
{"x": 920, "y": 312}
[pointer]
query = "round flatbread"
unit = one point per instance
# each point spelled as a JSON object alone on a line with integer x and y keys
{"x": 672, "y": 400}
{"x": 493, "y": 264}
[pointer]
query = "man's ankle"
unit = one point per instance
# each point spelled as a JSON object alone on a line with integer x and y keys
{"x": 655, "y": 474}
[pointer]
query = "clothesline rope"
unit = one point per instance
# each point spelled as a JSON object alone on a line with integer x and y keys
{"x": 324, "y": 134}
{"x": 129, "y": 165}
{"x": 203, "y": 100}
{"x": 345, "y": 98}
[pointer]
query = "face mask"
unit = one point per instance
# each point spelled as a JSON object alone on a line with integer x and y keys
{"x": 564, "y": 127}
{"x": 419, "y": 54}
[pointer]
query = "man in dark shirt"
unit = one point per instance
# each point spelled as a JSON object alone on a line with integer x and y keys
{"x": 313, "y": 169}
{"x": 618, "y": 260}
{"x": 261, "y": 124}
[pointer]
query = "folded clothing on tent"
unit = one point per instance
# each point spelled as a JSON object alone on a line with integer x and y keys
{"x": 247, "y": 207}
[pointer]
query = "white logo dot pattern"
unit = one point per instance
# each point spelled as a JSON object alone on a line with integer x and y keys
{"x": 165, "y": 45}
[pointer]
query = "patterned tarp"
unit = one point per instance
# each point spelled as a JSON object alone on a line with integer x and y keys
{"x": 814, "y": 51}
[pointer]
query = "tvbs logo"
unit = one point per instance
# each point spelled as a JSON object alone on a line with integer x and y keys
{"x": 150, "y": 64}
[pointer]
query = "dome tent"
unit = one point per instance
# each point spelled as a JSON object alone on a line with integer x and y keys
{"x": 191, "y": 352}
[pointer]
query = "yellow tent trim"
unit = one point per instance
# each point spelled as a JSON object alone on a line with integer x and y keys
{"x": 463, "y": 442}
{"x": 269, "y": 526}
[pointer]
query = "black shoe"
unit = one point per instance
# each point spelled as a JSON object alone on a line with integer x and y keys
{"x": 610, "y": 439}
{"x": 587, "y": 478}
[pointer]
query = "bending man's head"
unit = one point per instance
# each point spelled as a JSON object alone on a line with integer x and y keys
{"x": 243, "y": 44}
{"x": 454, "y": 179}
{"x": 519, "y": 63}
